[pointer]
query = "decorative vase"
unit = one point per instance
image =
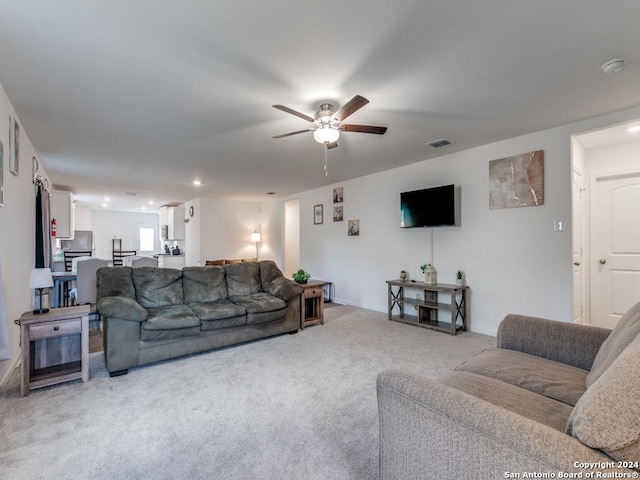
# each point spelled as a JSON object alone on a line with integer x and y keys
{"x": 430, "y": 275}
{"x": 459, "y": 282}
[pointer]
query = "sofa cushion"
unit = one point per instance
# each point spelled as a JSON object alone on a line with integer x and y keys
{"x": 243, "y": 278}
{"x": 535, "y": 407}
{"x": 203, "y": 284}
{"x": 555, "y": 380}
{"x": 219, "y": 314}
{"x": 261, "y": 307}
{"x": 626, "y": 331}
{"x": 174, "y": 321}
{"x": 607, "y": 417}
{"x": 115, "y": 282}
{"x": 158, "y": 287}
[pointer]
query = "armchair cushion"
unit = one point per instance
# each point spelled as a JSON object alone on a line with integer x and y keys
{"x": 558, "y": 381}
{"x": 627, "y": 330}
{"x": 607, "y": 417}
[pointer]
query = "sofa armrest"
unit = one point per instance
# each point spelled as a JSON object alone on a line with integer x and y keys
{"x": 431, "y": 430}
{"x": 569, "y": 343}
{"x": 283, "y": 288}
{"x": 121, "y": 307}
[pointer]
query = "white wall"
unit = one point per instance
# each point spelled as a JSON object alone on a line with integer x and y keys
{"x": 220, "y": 229}
{"x": 513, "y": 259}
{"x": 109, "y": 224}
{"x": 17, "y": 233}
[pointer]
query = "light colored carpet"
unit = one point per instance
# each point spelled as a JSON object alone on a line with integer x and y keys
{"x": 290, "y": 407}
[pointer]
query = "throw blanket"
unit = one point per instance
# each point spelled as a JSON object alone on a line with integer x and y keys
{"x": 5, "y": 347}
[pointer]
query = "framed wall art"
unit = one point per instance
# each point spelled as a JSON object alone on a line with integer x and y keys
{"x": 317, "y": 214}
{"x": 338, "y": 214}
{"x": 353, "y": 229}
{"x": 14, "y": 146}
{"x": 338, "y": 196}
{"x": 517, "y": 181}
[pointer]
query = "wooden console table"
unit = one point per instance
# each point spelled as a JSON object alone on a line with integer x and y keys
{"x": 313, "y": 303}
{"x": 428, "y": 307}
{"x": 55, "y": 347}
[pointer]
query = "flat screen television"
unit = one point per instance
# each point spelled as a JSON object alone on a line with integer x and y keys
{"x": 430, "y": 207}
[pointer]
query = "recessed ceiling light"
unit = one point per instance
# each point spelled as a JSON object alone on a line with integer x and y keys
{"x": 144, "y": 207}
{"x": 197, "y": 182}
{"x": 104, "y": 205}
{"x": 150, "y": 202}
{"x": 107, "y": 199}
{"x": 634, "y": 129}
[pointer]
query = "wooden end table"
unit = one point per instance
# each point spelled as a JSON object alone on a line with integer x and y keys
{"x": 55, "y": 347}
{"x": 313, "y": 303}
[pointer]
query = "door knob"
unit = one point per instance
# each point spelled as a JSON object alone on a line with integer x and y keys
{"x": 602, "y": 261}
{"x": 577, "y": 264}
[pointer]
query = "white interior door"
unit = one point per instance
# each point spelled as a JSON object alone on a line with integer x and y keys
{"x": 577, "y": 244}
{"x": 616, "y": 247}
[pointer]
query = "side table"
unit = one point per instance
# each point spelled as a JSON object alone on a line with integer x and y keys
{"x": 55, "y": 347}
{"x": 313, "y": 307}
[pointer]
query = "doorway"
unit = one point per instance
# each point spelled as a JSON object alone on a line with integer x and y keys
{"x": 606, "y": 226}
{"x": 291, "y": 236}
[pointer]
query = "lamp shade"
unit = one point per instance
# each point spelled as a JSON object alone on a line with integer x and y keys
{"x": 40, "y": 278}
{"x": 326, "y": 134}
{"x": 255, "y": 237}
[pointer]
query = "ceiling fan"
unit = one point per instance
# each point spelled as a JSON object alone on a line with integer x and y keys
{"x": 328, "y": 122}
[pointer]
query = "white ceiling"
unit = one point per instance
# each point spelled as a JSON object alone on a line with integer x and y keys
{"x": 145, "y": 96}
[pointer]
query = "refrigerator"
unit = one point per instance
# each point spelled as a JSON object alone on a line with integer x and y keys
{"x": 82, "y": 240}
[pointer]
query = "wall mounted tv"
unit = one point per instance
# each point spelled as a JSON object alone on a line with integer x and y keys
{"x": 430, "y": 207}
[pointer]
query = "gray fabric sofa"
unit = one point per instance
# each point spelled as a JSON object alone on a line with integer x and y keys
{"x": 552, "y": 397}
{"x": 152, "y": 314}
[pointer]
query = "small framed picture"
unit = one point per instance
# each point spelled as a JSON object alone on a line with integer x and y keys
{"x": 317, "y": 214}
{"x": 338, "y": 196}
{"x": 338, "y": 214}
{"x": 14, "y": 146}
{"x": 353, "y": 229}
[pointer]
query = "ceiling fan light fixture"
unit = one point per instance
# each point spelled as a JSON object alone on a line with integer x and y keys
{"x": 326, "y": 134}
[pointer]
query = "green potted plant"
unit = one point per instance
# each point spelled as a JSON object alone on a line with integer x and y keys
{"x": 301, "y": 276}
{"x": 403, "y": 275}
{"x": 459, "y": 278}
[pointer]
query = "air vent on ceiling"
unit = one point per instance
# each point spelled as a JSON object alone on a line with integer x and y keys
{"x": 443, "y": 142}
{"x": 131, "y": 194}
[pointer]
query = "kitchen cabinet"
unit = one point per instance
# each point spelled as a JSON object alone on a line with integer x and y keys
{"x": 170, "y": 261}
{"x": 62, "y": 211}
{"x": 173, "y": 217}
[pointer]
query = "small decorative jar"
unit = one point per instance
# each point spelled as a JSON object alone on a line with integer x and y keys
{"x": 430, "y": 275}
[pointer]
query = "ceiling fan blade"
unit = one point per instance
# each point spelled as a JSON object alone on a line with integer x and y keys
{"x": 353, "y": 105}
{"x": 332, "y": 145}
{"x": 363, "y": 129}
{"x": 293, "y": 133}
{"x": 293, "y": 112}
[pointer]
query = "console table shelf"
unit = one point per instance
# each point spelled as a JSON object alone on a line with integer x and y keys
{"x": 429, "y": 306}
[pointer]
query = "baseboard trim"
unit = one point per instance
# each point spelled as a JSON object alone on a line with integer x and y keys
{"x": 12, "y": 369}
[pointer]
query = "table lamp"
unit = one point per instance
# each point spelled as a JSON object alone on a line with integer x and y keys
{"x": 40, "y": 279}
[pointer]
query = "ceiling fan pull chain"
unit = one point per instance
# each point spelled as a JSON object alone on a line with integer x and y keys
{"x": 326, "y": 171}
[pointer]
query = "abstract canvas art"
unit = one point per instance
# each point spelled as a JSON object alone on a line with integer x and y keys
{"x": 517, "y": 181}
